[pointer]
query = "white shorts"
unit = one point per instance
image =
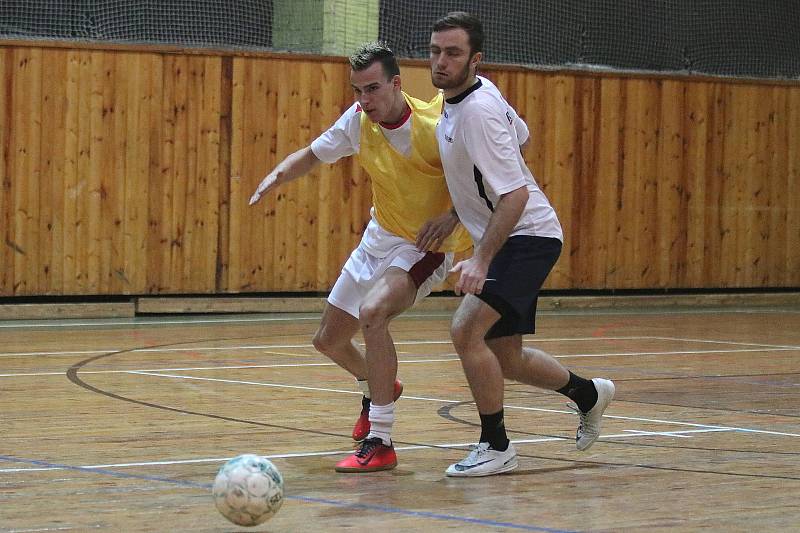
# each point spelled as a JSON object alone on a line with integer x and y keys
{"x": 362, "y": 270}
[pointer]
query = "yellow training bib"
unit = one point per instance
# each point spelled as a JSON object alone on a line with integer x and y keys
{"x": 409, "y": 191}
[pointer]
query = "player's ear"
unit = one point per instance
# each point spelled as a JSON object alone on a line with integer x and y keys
{"x": 477, "y": 57}
{"x": 396, "y": 81}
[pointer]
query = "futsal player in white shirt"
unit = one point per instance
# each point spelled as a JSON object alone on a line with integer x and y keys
{"x": 517, "y": 239}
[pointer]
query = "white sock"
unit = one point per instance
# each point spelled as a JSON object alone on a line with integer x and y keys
{"x": 381, "y": 418}
{"x": 363, "y": 385}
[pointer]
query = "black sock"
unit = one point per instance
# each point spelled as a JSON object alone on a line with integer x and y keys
{"x": 365, "y": 403}
{"x": 581, "y": 391}
{"x": 493, "y": 431}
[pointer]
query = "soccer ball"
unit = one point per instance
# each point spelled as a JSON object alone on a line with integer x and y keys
{"x": 248, "y": 490}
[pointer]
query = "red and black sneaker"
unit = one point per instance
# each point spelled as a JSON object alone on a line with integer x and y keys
{"x": 372, "y": 455}
{"x": 361, "y": 429}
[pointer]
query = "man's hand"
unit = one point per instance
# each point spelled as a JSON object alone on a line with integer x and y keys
{"x": 266, "y": 185}
{"x": 472, "y": 276}
{"x": 433, "y": 233}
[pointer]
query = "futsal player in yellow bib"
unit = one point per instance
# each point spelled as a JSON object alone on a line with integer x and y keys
{"x": 406, "y": 249}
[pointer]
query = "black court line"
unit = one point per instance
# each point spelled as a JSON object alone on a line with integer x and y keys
{"x": 655, "y": 467}
{"x": 72, "y": 374}
{"x": 445, "y": 412}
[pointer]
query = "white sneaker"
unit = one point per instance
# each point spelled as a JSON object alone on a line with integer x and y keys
{"x": 589, "y": 427}
{"x": 484, "y": 461}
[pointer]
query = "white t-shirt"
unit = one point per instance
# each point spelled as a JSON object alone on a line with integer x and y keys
{"x": 344, "y": 139}
{"x": 479, "y": 138}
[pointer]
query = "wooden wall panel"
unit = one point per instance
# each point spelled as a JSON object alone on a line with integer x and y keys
{"x": 776, "y": 213}
{"x": 332, "y": 227}
{"x": 669, "y": 182}
{"x": 6, "y": 106}
{"x": 696, "y": 157}
{"x": 791, "y": 176}
{"x": 605, "y": 225}
{"x": 559, "y": 158}
{"x": 26, "y": 139}
{"x": 129, "y": 172}
{"x": 297, "y": 238}
{"x": 587, "y": 199}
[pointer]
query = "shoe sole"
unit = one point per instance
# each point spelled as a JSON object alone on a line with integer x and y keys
{"x": 506, "y": 468}
{"x": 349, "y": 470}
{"x": 503, "y": 470}
{"x": 610, "y": 397}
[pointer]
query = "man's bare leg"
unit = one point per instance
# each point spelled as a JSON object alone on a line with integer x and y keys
{"x": 528, "y": 365}
{"x": 393, "y": 293}
{"x": 334, "y": 338}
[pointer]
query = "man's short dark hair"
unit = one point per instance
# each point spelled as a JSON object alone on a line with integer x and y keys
{"x": 465, "y": 21}
{"x": 374, "y": 51}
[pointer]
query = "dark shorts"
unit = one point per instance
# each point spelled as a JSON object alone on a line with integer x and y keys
{"x": 512, "y": 284}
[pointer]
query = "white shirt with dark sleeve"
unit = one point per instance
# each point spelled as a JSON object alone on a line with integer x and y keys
{"x": 479, "y": 137}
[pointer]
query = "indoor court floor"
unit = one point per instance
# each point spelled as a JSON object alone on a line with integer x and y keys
{"x": 121, "y": 424}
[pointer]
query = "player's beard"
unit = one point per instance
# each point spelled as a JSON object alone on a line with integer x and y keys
{"x": 452, "y": 82}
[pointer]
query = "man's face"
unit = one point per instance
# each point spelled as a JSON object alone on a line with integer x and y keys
{"x": 450, "y": 59}
{"x": 374, "y": 92}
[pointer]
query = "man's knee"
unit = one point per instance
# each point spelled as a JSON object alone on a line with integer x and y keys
{"x": 325, "y": 341}
{"x": 373, "y": 314}
{"x": 471, "y": 322}
{"x": 463, "y": 332}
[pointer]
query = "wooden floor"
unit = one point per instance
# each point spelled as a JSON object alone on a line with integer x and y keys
{"x": 121, "y": 424}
